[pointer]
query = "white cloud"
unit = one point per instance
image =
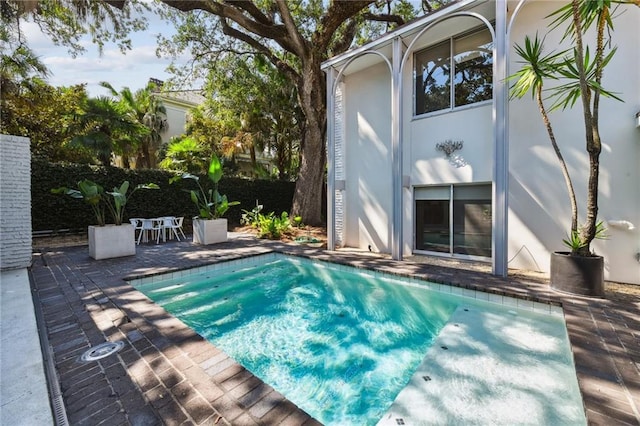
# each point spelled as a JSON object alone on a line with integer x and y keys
{"x": 132, "y": 69}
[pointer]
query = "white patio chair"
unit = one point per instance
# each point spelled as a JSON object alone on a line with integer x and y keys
{"x": 150, "y": 226}
{"x": 169, "y": 226}
{"x": 137, "y": 228}
{"x": 176, "y": 226}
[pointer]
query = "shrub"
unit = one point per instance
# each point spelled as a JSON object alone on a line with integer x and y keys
{"x": 53, "y": 212}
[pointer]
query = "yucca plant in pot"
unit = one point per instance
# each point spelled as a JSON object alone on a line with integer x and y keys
{"x": 107, "y": 240}
{"x": 577, "y": 73}
{"x": 209, "y": 226}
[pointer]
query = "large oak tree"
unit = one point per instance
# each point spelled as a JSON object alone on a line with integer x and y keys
{"x": 295, "y": 35}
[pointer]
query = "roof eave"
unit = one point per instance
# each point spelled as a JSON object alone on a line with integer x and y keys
{"x": 388, "y": 37}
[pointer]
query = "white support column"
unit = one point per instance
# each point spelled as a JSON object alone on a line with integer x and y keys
{"x": 501, "y": 145}
{"x": 331, "y": 153}
{"x": 396, "y": 150}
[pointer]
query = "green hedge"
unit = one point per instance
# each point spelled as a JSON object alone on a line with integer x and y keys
{"x": 55, "y": 212}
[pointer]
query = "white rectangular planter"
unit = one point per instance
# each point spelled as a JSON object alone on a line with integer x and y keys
{"x": 209, "y": 231}
{"x": 112, "y": 241}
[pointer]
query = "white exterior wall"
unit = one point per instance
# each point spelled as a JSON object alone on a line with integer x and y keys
{"x": 539, "y": 210}
{"x": 368, "y": 191}
{"x": 471, "y": 164}
{"x": 176, "y": 121}
{"x": 15, "y": 202}
{"x": 426, "y": 166}
{"x": 539, "y": 214}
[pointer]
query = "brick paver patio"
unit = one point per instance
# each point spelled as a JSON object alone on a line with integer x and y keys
{"x": 167, "y": 374}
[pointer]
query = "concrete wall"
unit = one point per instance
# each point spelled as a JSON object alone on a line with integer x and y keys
{"x": 15, "y": 202}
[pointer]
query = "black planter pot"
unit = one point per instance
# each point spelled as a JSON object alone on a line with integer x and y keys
{"x": 577, "y": 274}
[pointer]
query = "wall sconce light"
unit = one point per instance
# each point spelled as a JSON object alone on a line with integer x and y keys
{"x": 638, "y": 119}
{"x": 449, "y": 147}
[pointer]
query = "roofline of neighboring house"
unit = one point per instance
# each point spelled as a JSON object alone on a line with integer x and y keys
{"x": 404, "y": 29}
{"x": 166, "y": 97}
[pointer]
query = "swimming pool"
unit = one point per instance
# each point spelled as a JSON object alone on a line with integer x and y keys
{"x": 358, "y": 347}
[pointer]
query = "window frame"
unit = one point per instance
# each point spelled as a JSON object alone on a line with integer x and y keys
{"x": 452, "y": 74}
{"x": 451, "y": 199}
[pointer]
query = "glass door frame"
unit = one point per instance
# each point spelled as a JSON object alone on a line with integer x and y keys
{"x": 450, "y": 253}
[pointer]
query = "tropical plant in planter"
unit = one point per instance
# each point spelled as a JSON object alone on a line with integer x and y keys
{"x": 209, "y": 226}
{"x": 579, "y": 71}
{"x": 107, "y": 241}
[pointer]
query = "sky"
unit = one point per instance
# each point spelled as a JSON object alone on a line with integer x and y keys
{"x": 132, "y": 69}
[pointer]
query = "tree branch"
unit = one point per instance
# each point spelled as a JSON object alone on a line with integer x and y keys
{"x": 262, "y": 49}
{"x": 336, "y": 15}
{"x": 383, "y": 17}
{"x": 426, "y": 6}
{"x": 251, "y": 9}
{"x": 343, "y": 43}
{"x": 234, "y": 12}
{"x": 292, "y": 29}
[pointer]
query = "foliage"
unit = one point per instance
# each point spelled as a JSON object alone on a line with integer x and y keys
{"x": 295, "y": 37}
{"x": 44, "y": 113}
{"x": 105, "y": 127}
{"x": 207, "y": 127}
{"x": 398, "y": 13}
{"x": 52, "y": 212}
{"x": 211, "y": 204}
{"x": 66, "y": 21}
{"x": 259, "y": 110}
{"x": 575, "y": 243}
{"x": 148, "y": 111}
{"x": 184, "y": 154}
{"x": 117, "y": 204}
{"x": 91, "y": 193}
{"x": 19, "y": 65}
{"x": 19, "y": 69}
{"x": 271, "y": 226}
{"x": 251, "y": 217}
{"x": 94, "y": 195}
{"x": 579, "y": 71}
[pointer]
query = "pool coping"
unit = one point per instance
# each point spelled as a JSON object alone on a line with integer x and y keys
{"x": 169, "y": 364}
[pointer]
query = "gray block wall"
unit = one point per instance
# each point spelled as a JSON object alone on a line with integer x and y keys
{"x": 15, "y": 202}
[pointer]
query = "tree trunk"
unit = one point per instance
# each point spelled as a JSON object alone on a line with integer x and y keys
{"x": 126, "y": 164}
{"x": 563, "y": 164}
{"x": 307, "y": 198}
{"x": 252, "y": 155}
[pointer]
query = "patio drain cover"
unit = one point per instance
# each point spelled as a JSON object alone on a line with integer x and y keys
{"x": 103, "y": 350}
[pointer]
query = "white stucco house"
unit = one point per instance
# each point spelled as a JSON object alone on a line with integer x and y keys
{"x": 178, "y": 104}
{"x": 499, "y": 196}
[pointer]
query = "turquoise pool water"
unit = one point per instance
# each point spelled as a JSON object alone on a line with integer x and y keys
{"x": 341, "y": 343}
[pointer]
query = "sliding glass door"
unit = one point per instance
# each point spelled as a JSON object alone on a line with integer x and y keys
{"x": 454, "y": 219}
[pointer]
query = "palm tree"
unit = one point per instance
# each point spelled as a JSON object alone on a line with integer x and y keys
{"x": 19, "y": 65}
{"x": 581, "y": 76}
{"x": 147, "y": 110}
{"x": 155, "y": 119}
{"x": 106, "y": 127}
{"x": 185, "y": 154}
